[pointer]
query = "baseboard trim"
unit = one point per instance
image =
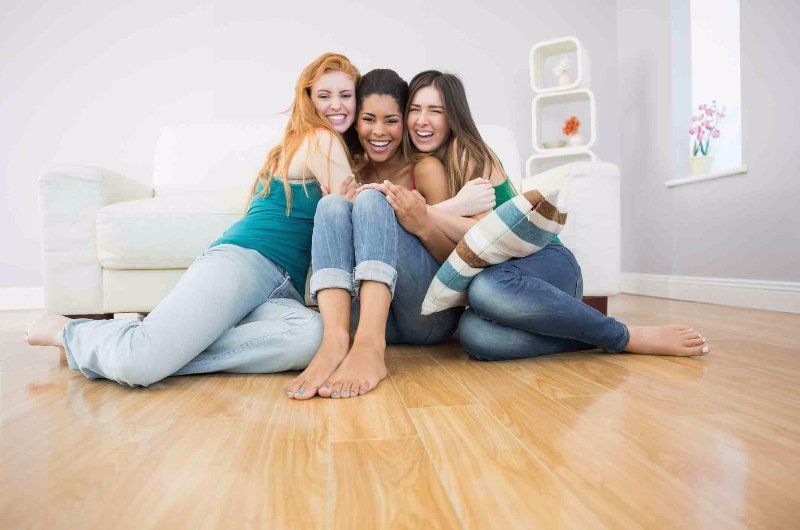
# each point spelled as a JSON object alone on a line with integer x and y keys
{"x": 757, "y": 294}
{"x": 21, "y": 298}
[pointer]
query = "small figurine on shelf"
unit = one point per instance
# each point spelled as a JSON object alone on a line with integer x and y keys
{"x": 561, "y": 71}
{"x": 570, "y": 129}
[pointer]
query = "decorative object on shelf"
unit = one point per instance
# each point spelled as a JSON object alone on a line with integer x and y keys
{"x": 561, "y": 71}
{"x": 700, "y": 165}
{"x": 555, "y": 144}
{"x": 570, "y": 129}
{"x": 549, "y": 56}
{"x": 704, "y": 128}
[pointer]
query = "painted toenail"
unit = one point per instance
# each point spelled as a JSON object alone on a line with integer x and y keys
{"x": 288, "y": 393}
{"x": 301, "y": 391}
{"x": 705, "y": 349}
{"x": 335, "y": 394}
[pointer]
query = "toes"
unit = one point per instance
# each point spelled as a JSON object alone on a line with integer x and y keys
{"x": 292, "y": 386}
{"x": 306, "y": 391}
{"x": 325, "y": 390}
{"x": 700, "y": 350}
{"x": 694, "y": 342}
{"x": 336, "y": 390}
{"x": 363, "y": 387}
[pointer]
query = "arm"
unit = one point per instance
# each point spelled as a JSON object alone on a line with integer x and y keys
{"x": 453, "y": 226}
{"x": 409, "y": 206}
{"x": 328, "y": 162}
{"x": 436, "y": 242}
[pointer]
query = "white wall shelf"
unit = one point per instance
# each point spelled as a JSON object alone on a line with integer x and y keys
{"x": 549, "y": 112}
{"x": 540, "y": 163}
{"x": 544, "y": 56}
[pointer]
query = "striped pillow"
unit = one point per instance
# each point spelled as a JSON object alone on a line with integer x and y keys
{"x": 516, "y": 229}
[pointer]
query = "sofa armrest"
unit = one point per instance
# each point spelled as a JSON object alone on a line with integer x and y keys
{"x": 590, "y": 191}
{"x": 69, "y": 197}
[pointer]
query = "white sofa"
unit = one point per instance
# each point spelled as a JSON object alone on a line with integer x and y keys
{"x": 112, "y": 245}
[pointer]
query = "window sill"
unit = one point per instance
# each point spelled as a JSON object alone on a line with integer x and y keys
{"x": 702, "y": 178}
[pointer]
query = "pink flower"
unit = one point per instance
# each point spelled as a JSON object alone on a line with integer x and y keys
{"x": 709, "y": 112}
{"x": 692, "y": 131}
{"x": 706, "y": 124}
{"x": 702, "y": 107}
{"x": 715, "y": 133}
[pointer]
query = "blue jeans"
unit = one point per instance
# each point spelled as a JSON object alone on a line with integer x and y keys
{"x": 359, "y": 241}
{"x": 532, "y": 306}
{"x": 232, "y": 311}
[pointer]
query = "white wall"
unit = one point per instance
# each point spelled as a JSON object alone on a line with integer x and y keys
{"x": 91, "y": 82}
{"x": 744, "y": 226}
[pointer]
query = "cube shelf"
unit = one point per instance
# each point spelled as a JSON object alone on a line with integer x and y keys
{"x": 540, "y": 163}
{"x": 551, "y": 110}
{"x": 544, "y": 56}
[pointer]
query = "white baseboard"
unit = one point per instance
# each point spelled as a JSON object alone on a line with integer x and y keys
{"x": 21, "y": 298}
{"x": 758, "y": 294}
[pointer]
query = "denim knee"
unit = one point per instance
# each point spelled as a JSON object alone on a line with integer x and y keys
{"x": 491, "y": 288}
{"x": 476, "y": 338}
{"x": 371, "y": 203}
{"x": 333, "y": 205}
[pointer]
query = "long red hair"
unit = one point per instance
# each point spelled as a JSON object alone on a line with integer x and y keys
{"x": 304, "y": 120}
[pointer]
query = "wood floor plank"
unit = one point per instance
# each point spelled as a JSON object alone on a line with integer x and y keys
{"x": 387, "y": 484}
{"x": 553, "y": 377}
{"x": 585, "y": 456}
{"x": 422, "y": 382}
{"x": 378, "y": 414}
{"x": 490, "y": 477}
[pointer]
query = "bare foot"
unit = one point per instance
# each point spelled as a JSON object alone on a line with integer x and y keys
{"x": 46, "y": 330}
{"x": 681, "y": 341}
{"x": 328, "y": 357}
{"x": 361, "y": 371}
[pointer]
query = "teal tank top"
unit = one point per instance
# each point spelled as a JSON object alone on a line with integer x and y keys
{"x": 283, "y": 239}
{"x": 505, "y": 192}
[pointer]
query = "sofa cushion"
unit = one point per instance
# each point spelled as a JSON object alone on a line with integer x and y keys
{"x": 163, "y": 232}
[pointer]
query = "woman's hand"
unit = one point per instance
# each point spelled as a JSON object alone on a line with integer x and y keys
{"x": 349, "y": 188}
{"x": 475, "y": 197}
{"x": 409, "y": 206}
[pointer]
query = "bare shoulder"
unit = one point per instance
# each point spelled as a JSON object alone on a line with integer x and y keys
{"x": 324, "y": 138}
{"x": 430, "y": 165}
{"x": 431, "y": 180}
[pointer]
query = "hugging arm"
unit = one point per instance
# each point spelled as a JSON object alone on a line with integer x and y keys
{"x": 327, "y": 160}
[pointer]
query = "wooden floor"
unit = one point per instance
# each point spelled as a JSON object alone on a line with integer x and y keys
{"x": 581, "y": 440}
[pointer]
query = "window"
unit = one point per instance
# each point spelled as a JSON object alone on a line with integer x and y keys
{"x": 716, "y": 77}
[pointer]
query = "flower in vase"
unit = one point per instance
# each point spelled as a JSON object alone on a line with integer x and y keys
{"x": 571, "y": 126}
{"x": 704, "y": 127}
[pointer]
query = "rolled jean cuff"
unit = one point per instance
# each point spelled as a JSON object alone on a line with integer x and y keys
{"x": 331, "y": 278}
{"x": 623, "y": 341}
{"x": 375, "y": 271}
{"x": 66, "y": 334}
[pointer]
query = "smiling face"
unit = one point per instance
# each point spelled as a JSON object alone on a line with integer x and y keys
{"x": 427, "y": 121}
{"x": 334, "y": 98}
{"x": 380, "y": 127}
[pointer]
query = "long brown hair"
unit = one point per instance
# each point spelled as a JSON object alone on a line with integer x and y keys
{"x": 304, "y": 120}
{"x": 465, "y": 155}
